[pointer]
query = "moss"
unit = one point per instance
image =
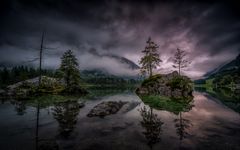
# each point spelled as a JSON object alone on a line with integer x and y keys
{"x": 180, "y": 82}
{"x": 151, "y": 80}
{"x": 168, "y": 104}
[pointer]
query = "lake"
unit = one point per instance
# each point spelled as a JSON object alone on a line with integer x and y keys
{"x": 209, "y": 124}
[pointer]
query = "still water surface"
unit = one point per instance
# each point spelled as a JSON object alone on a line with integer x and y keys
{"x": 208, "y": 125}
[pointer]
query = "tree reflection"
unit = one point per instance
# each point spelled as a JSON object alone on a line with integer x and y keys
{"x": 182, "y": 125}
{"x": 20, "y": 107}
{"x": 66, "y": 115}
{"x": 152, "y": 125}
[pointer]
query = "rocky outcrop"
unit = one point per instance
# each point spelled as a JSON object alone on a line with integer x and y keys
{"x": 106, "y": 108}
{"x": 24, "y": 89}
{"x": 169, "y": 85}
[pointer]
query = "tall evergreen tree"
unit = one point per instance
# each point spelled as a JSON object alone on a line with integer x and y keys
{"x": 69, "y": 70}
{"x": 180, "y": 60}
{"x": 151, "y": 59}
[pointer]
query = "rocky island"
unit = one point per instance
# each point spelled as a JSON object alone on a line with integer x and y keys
{"x": 169, "y": 85}
{"x": 167, "y": 91}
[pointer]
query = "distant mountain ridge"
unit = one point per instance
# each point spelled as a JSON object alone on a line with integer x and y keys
{"x": 131, "y": 64}
{"x": 232, "y": 66}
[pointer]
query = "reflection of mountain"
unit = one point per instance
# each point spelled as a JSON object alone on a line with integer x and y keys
{"x": 152, "y": 125}
{"x": 228, "y": 97}
{"x": 66, "y": 115}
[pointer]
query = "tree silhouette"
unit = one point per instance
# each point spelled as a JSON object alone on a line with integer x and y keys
{"x": 180, "y": 60}
{"x": 151, "y": 59}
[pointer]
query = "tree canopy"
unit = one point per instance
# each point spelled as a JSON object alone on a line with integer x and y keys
{"x": 69, "y": 70}
{"x": 151, "y": 58}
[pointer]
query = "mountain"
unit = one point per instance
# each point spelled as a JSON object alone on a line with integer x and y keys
{"x": 223, "y": 76}
{"x": 129, "y": 63}
{"x": 230, "y": 67}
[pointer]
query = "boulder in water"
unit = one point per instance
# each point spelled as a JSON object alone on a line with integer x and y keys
{"x": 106, "y": 108}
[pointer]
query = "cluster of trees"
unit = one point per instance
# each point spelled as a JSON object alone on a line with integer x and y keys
{"x": 110, "y": 80}
{"x": 101, "y": 77}
{"x": 151, "y": 59}
{"x": 19, "y": 73}
{"x": 226, "y": 80}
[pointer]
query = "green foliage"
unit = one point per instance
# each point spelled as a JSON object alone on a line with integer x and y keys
{"x": 179, "y": 82}
{"x": 151, "y": 80}
{"x": 151, "y": 59}
{"x": 70, "y": 73}
{"x": 99, "y": 78}
{"x": 168, "y": 104}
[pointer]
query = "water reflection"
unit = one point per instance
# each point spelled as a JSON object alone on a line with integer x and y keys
{"x": 20, "y": 107}
{"x": 66, "y": 115}
{"x": 207, "y": 125}
{"x": 230, "y": 97}
{"x": 152, "y": 125}
{"x": 182, "y": 125}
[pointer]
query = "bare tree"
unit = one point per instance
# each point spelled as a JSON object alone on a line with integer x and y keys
{"x": 180, "y": 60}
{"x": 40, "y": 60}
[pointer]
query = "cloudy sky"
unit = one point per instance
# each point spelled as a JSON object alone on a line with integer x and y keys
{"x": 208, "y": 31}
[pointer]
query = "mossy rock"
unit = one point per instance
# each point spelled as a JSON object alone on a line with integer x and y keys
{"x": 169, "y": 85}
{"x": 151, "y": 80}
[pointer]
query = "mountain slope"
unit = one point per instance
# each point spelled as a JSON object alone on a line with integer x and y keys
{"x": 230, "y": 67}
{"x": 224, "y": 76}
{"x": 129, "y": 63}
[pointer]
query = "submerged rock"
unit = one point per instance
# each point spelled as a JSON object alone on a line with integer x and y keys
{"x": 169, "y": 85}
{"x": 129, "y": 106}
{"x": 106, "y": 108}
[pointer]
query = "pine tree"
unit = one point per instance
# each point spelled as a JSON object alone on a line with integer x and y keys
{"x": 180, "y": 60}
{"x": 151, "y": 59}
{"x": 69, "y": 70}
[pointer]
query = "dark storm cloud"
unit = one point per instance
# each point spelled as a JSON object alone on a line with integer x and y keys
{"x": 209, "y": 31}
